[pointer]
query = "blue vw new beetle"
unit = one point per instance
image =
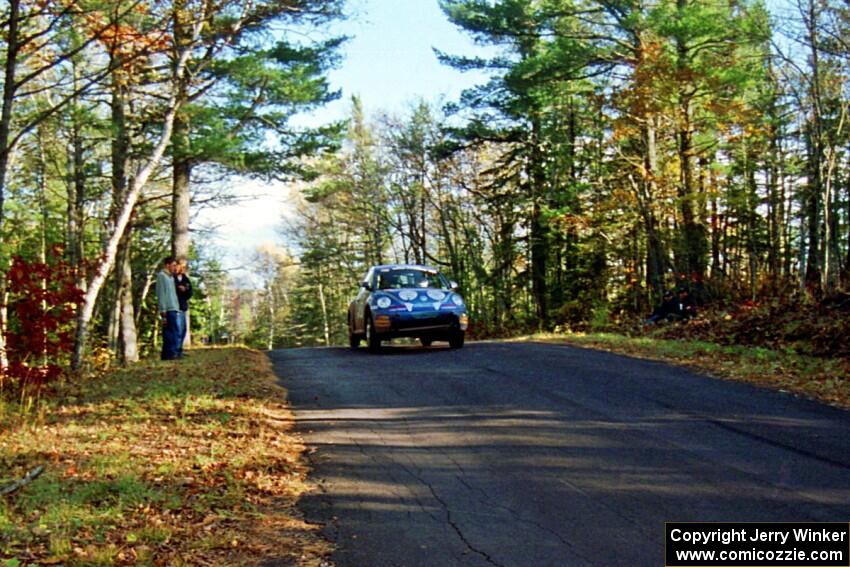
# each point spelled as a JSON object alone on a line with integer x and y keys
{"x": 401, "y": 300}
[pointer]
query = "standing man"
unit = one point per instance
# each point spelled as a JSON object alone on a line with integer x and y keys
{"x": 169, "y": 309}
{"x": 184, "y": 293}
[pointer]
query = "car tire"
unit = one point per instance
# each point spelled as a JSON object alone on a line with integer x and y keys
{"x": 456, "y": 339}
{"x": 426, "y": 342}
{"x": 372, "y": 340}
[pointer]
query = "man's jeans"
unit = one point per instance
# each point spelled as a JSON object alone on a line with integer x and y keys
{"x": 171, "y": 335}
{"x": 183, "y": 330}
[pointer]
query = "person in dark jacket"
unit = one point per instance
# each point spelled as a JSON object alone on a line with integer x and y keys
{"x": 687, "y": 307}
{"x": 184, "y": 293}
{"x": 668, "y": 309}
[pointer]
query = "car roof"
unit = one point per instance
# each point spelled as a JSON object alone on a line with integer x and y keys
{"x": 405, "y": 266}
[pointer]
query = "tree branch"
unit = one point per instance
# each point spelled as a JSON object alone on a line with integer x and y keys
{"x": 19, "y": 484}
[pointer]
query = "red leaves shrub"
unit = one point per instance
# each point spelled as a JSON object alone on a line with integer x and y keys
{"x": 43, "y": 298}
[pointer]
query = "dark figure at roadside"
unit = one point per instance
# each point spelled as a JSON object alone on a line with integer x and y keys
{"x": 184, "y": 294}
{"x": 687, "y": 307}
{"x": 667, "y": 310}
{"x": 674, "y": 307}
{"x": 169, "y": 309}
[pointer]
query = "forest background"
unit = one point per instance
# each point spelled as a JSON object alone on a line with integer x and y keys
{"x": 619, "y": 148}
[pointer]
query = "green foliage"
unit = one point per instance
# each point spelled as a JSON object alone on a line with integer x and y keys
{"x": 255, "y": 88}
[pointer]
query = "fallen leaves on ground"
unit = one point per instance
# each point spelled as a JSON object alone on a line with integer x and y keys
{"x": 165, "y": 463}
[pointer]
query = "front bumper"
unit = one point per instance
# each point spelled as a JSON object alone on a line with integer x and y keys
{"x": 422, "y": 324}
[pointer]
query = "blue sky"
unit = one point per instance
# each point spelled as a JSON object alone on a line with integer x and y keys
{"x": 390, "y": 64}
{"x": 389, "y": 61}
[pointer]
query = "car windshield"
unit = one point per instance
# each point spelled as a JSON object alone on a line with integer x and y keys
{"x": 396, "y": 278}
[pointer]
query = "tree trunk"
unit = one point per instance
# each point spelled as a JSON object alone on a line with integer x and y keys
{"x": 774, "y": 202}
{"x": 830, "y": 240}
{"x": 76, "y": 191}
{"x": 786, "y": 215}
{"x": 814, "y": 150}
{"x": 774, "y": 222}
{"x": 114, "y": 328}
{"x": 126, "y": 343}
{"x": 504, "y": 253}
{"x": 180, "y": 144}
{"x": 138, "y": 307}
{"x": 423, "y": 221}
{"x": 9, "y": 91}
{"x": 181, "y": 195}
{"x": 9, "y": 88}
{"x": 271, "y": 317}
{"x": 655, "y": 264}
{"x": 812, "y": 209}
{"x": 128, "y": 333}
{"x": 181, "y": 203}
{"x": 324, "y": 315}
{"x": 846, "y": 272}
{"x": 752, "y": 203}
{"x": 182, "y": 160}
{"x": 539, "y": 229}
{"x": 693, "y": 240}
{"x": 4, "y": 319}
{"x": 832, "y": 251}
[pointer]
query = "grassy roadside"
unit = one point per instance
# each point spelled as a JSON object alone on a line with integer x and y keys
{"x": 166, "y": 463}
{"x": 823, "y": 379}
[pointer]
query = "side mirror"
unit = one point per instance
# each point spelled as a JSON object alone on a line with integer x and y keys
{"x": 366, "y": 286}
{"x": 453, "y": 285}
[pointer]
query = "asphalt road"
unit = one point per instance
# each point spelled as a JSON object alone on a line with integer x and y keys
{"x": 522, "y": 454}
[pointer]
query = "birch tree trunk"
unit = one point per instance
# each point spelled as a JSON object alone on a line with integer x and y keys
{"x": 271, "y": 317}
{"x": 324, "y": 315}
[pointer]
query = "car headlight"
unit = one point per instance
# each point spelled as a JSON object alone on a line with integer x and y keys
{"x": 383, "y": 302}
{"x": 457, "y": 300}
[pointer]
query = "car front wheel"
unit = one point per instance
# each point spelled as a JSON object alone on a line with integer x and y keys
{"x": 353, "y": 338}
{"x": 456, "y": 339}
{"x": 372, "y": 340}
